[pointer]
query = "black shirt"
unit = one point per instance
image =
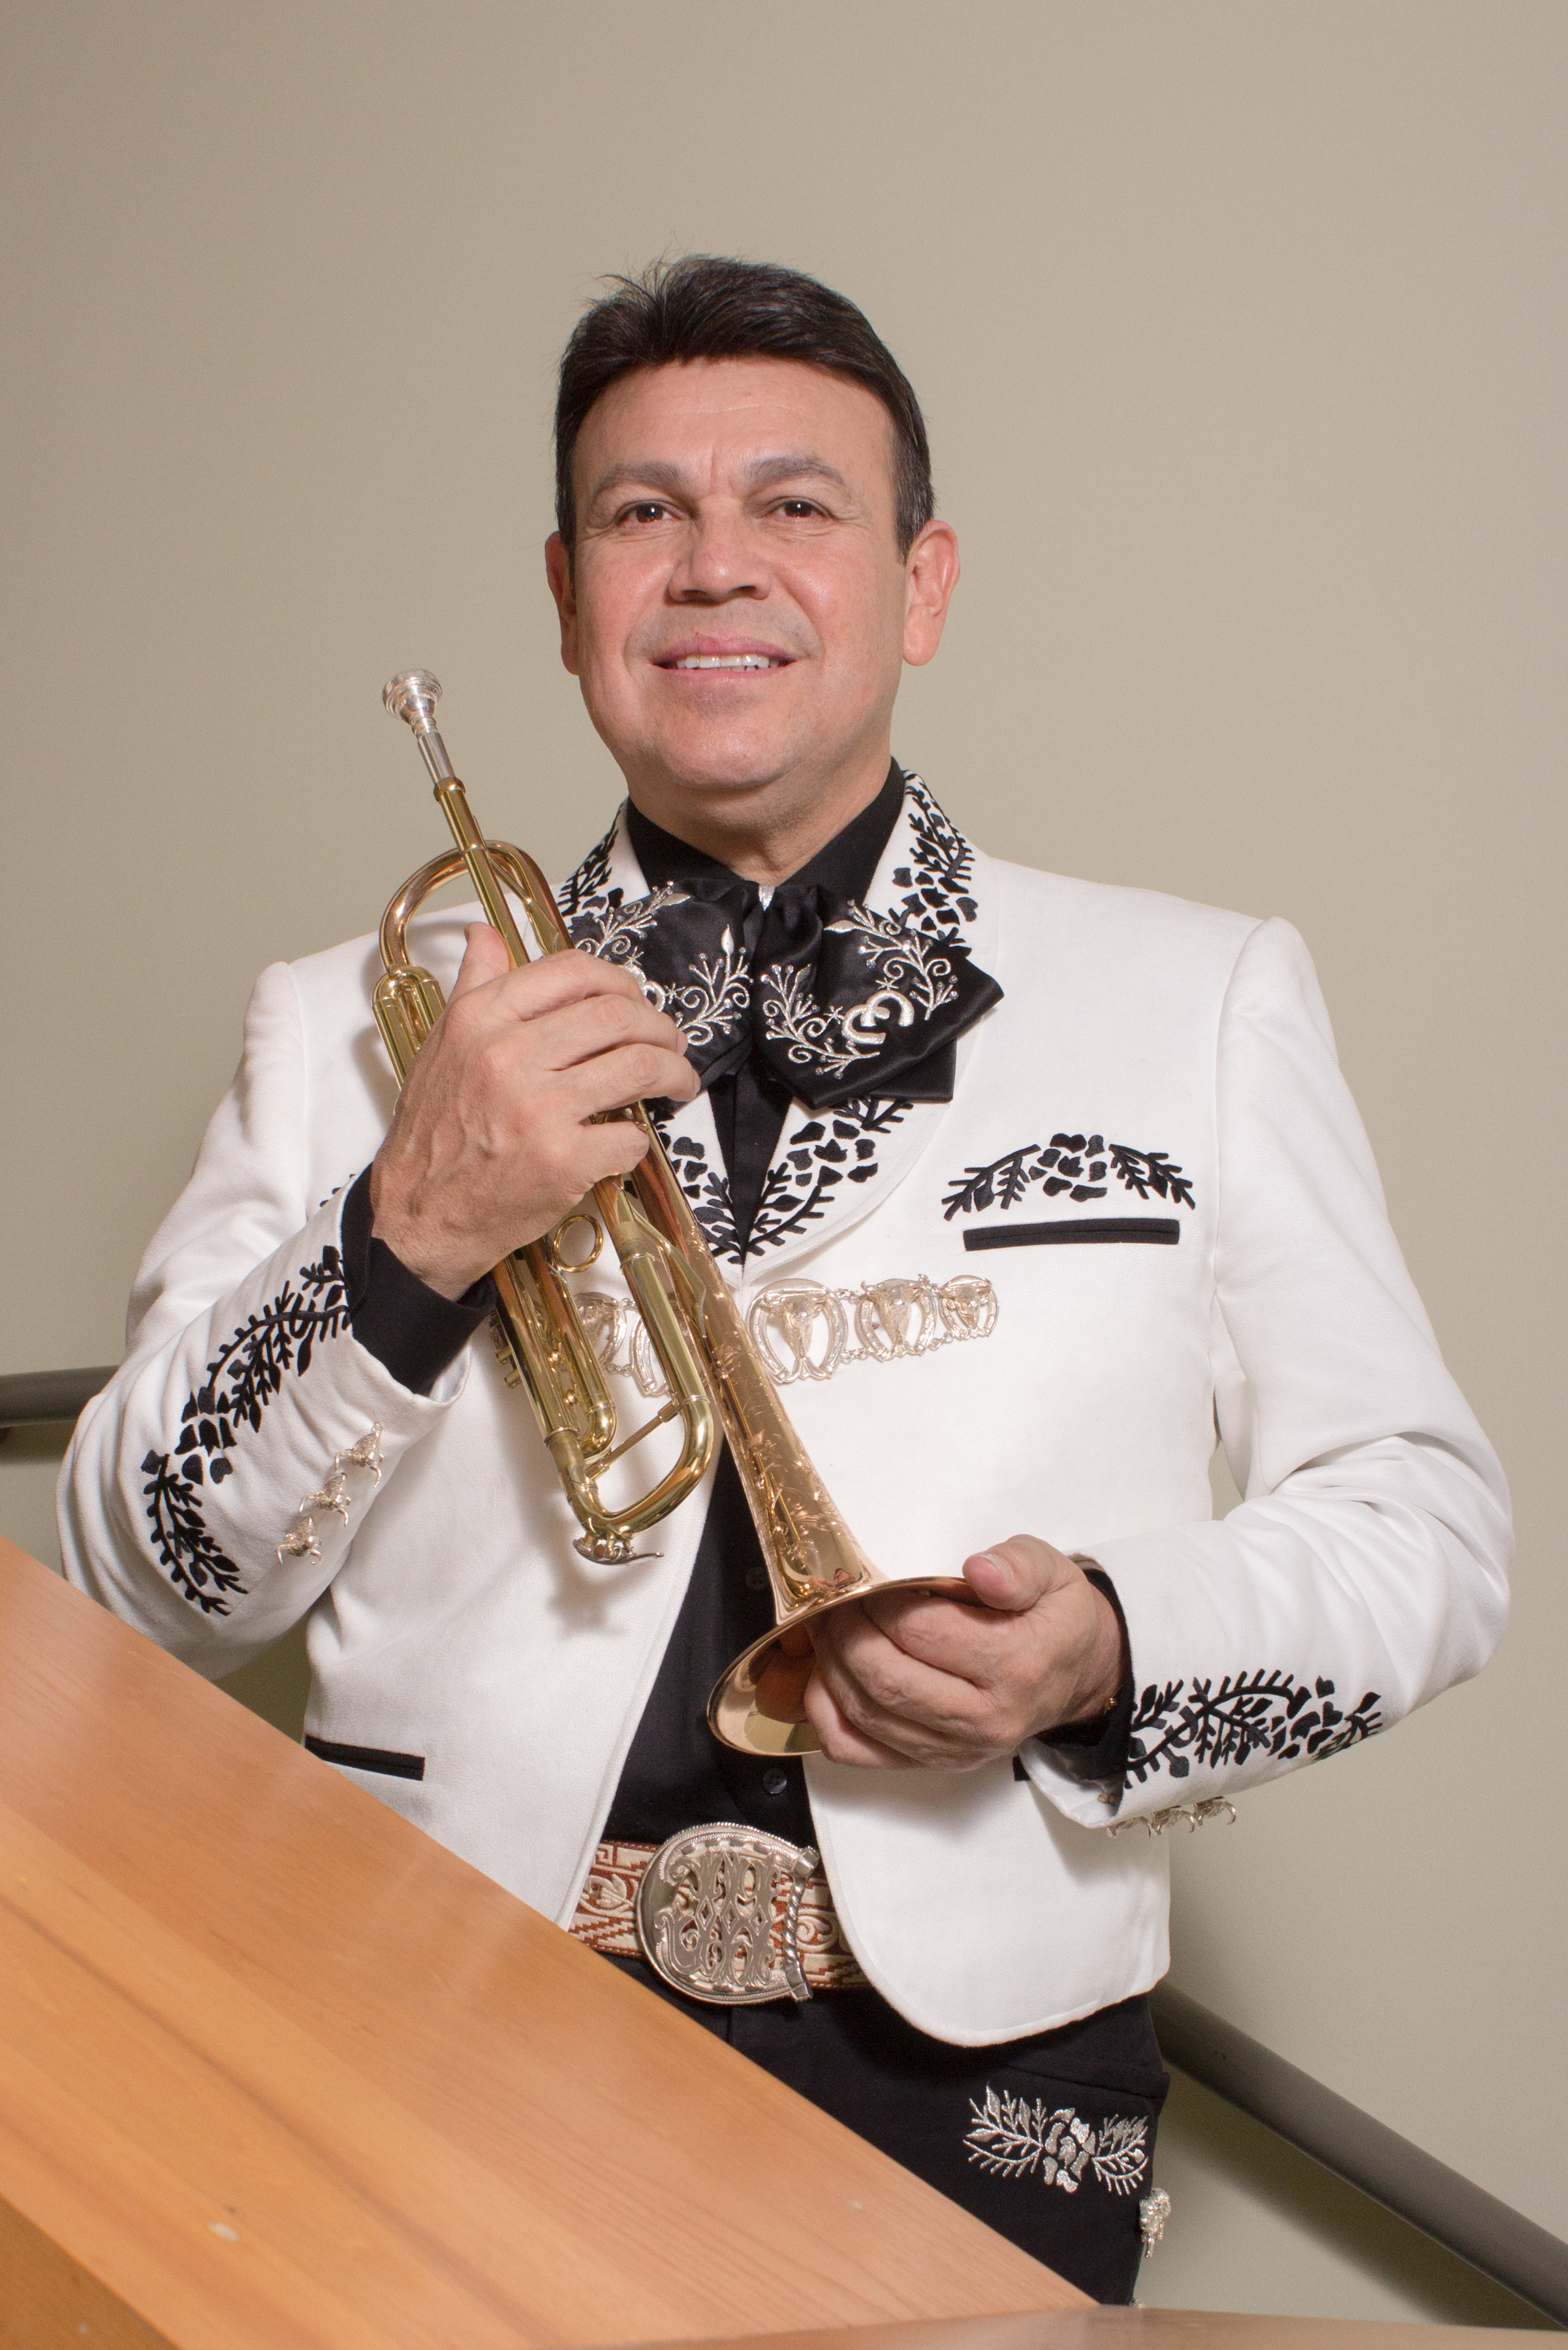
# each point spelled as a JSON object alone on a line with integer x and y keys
{"x": 677, "y": 1773}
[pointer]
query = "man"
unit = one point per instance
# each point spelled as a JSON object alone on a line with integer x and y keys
{"x": 1024, "y": 1185}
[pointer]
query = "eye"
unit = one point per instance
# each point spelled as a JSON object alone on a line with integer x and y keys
{"x": 646, "y": 511}
{"x": 798, "y": 509}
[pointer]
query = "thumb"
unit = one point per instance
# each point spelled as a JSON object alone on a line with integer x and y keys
{"x": 1015, "y": 1574}
{"x": 485, "y": 958}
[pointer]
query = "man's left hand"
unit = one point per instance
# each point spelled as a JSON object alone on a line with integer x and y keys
{"x": 909, "y": 1679}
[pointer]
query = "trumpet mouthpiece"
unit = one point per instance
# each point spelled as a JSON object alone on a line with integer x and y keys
{"x": 413, "y": 697}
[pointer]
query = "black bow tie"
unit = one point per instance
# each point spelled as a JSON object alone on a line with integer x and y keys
{"x": 838, "y": 1003}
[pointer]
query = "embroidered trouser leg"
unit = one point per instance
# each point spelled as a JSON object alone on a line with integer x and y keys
{"x": 1049, "y": 2140}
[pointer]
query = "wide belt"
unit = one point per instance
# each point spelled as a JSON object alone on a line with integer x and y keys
{"x": 723, "y": 1913}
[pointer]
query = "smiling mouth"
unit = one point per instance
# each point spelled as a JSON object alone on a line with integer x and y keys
{"x": 728, "y": 661}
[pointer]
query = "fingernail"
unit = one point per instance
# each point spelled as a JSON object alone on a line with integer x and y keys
{"x": 1003, "y": 1566}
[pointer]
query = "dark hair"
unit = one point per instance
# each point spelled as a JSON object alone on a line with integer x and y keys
{"x": 706, "y": 306}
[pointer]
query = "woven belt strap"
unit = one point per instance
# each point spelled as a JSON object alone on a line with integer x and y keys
{"x": 606, "y": 1918}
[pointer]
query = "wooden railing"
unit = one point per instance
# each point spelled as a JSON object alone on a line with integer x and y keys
{"x": 1444, "y": 2204}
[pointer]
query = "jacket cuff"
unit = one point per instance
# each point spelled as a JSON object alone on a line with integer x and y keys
{"x": 411, "y": 1329}
{"x": 1094, "y": 1753}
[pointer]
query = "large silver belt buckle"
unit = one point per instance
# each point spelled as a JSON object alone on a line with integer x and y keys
{"x": 706, "y": 1913}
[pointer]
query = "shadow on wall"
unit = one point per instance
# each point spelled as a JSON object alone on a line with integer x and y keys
{"x": 278, "y": 1685}
{"x": 29, "y": 1465}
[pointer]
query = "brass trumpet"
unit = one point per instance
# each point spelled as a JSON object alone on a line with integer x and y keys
{"x": 698, "y": 1335}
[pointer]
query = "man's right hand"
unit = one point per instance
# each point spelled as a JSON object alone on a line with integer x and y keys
{"x": 493, "y": 1142}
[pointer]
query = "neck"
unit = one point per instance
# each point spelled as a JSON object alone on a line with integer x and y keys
{"x": 764, "y": 832}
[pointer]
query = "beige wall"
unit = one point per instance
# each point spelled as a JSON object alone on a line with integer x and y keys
{"x": 1239, "y": 324}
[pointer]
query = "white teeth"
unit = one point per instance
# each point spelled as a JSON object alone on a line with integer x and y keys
{"x": 726, "y": 660}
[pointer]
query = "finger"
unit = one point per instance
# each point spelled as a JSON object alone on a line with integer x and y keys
{"x": 840, "y": 1741}
{"x": 534, "y": 989}
{"x": 576, "y": 1032}
{"x": 935, "y": 1717}
{"x": 485, "y": 958}
{"x": 1017, "y": 1573}
{"x": 636, "y": 1073}
{"x": 887, "y": 1694}
{"x": 902, "y": 1747}
{"x": 610, "y": 1150}
{"x": 957, "y": 1635}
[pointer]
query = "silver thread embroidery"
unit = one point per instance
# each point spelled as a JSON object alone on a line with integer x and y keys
{"x": 1013, "y": 2137}
{"x": 835, "y": 1040}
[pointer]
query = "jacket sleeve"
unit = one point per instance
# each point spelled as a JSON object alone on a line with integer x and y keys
{"x": 211, "y": 1492}
{"x": 1366, "y": 1567}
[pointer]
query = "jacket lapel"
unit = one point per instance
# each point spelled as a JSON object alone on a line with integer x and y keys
{"x": 832, "y": 1167}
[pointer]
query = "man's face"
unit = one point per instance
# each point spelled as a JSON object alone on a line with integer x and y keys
{"x": 738, "y": 611}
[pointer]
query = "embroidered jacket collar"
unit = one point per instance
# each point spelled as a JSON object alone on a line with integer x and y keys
{"x": 832, "y": 1165}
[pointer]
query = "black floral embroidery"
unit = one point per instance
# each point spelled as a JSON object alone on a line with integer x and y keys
{"x": 936, "y": 876}
{"x": 1144, "y": 1171}
{"x": 838, "y": 1147}
{"x": 1073, "y": 1163}
{"x": 241, "y": 1380}
{"x": 1002, "y": 1184}
{"x": 707, "y": 1190}
{"x": 938, "y": 901}
{"x": 197, "y": 1567}
{"x": 587, "y": 890}
{"x": 911, "y": 961}
{"x": 1250, "y": 1713}
{"x": 248, "y": 1371}
{"x": 903, "y": 969}
{"x": 1077, "y": 1164}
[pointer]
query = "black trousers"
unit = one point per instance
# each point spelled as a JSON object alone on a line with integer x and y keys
{"x": 1049, "y": 2140}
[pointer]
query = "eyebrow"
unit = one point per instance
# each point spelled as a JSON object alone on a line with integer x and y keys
{"x": 658, "y": 473}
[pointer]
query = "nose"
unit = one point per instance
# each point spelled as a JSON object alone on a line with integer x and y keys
{"x": 720, "y": 560}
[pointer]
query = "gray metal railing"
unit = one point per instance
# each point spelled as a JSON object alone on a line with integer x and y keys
{"x": 1461, "y": 2217}
{"x": 34, "y": 1398}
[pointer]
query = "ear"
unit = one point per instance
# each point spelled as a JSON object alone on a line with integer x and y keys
{"x": 931, "y": 573}
{"x": 558, "y": 572}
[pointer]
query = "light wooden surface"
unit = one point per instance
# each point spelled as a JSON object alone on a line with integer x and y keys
{"x": 1144, "y": 2329}
{"x": 47, "y": 2300}
{"x": 278, "y": 2070}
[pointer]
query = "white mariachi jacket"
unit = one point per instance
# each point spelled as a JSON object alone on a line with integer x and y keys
{"x": 1157, "y": 1072}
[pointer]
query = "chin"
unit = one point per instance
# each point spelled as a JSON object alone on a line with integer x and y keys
{"x": 710, "y": 769}
{"x": 717, "y": 784}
